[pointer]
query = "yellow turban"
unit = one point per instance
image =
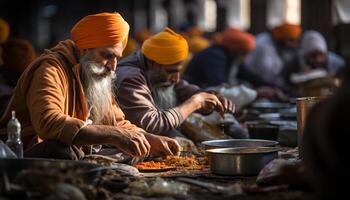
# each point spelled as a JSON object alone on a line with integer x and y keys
{"x": 166, "y": 47}
{"x": 100, "y": 30}
{"x": 286, "y": 31}
{"x": 4, "y": 31}
{"x": 198, "y": 43}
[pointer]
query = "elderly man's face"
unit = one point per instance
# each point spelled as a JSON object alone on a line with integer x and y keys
{"x": 163, "y": 79}
{"x": 164, "y": 75}
{"x": 97, "y": 67}
{"x": 107, "y": 57}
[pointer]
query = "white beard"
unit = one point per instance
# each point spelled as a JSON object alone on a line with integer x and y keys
{"x": 164, "y": 97}
{"x": 97, "y": 83}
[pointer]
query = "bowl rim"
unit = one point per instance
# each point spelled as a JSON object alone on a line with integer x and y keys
{"x": 207, "y": 142}
{"x": 227, "y": 151}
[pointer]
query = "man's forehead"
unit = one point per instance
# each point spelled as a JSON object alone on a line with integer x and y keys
{"x": 172, "y": 68}
{"x": 115, "y": 49}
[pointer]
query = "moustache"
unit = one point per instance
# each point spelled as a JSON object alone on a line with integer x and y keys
{"x": 165, "y": 84}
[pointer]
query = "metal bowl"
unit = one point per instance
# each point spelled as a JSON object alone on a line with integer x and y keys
{"x": 229, "y": 143}
{"x": 270, "y": 106}
{"x": 240, "y": 161}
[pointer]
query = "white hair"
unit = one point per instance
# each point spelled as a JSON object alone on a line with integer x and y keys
{"x": 98, "y": 87}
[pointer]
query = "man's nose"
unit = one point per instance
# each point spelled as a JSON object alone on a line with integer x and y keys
{"x": 175, "y": 77}
{"x": 112, "y": 64}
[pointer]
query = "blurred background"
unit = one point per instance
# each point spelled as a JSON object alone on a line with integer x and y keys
{"x": 45, "y": 22}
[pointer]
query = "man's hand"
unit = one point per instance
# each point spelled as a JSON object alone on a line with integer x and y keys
{"x": 162, "y": 146}
{"x": 133, "y": 142}
{"x": 229, "y": 106}
{"x": 207, "y": 102}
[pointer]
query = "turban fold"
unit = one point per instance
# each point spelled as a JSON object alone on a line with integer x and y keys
{"x": 166, "y": 47}
{"x": 100, "y": 30}
{"x": 4, "y": 31}
{"x": 286, "y": 31}
{"x": 238, "y": 40}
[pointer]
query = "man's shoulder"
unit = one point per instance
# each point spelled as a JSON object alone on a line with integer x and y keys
{"x": 128, "y": 72}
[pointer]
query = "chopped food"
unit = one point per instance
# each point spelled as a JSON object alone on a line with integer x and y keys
{"x": 178, "y": 162}
{"x": 187, "y": 162}
{"x": 152, "y": 165}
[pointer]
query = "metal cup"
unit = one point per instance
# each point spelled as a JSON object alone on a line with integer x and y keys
{"x": 304, "y": 104}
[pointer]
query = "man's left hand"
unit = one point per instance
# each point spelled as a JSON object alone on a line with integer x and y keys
{"x": 161, "y": 145}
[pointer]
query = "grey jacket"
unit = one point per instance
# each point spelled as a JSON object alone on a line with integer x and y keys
{"x": 134, "y": 95}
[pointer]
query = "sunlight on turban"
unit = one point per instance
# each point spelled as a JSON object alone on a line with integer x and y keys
{"x": 166, "y": 47}
{"x": 100, "y": 30}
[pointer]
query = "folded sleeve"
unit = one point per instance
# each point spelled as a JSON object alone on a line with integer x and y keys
{"x": 46, "y": 100}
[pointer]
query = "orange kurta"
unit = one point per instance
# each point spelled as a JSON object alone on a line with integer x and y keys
{"x": 49, "y": 99}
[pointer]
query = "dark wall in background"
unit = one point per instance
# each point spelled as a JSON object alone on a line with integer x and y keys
{"x": 52, "y": 20}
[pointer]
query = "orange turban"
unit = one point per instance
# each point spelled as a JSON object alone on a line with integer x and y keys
{"x": 18, "y": 54}
{"x": 100, "y": 30}
{"x": 286, "y": 31}
{"x": 4, "y": 31}
{"x": 238, "y": 40}
{"x": 166, "y": 47}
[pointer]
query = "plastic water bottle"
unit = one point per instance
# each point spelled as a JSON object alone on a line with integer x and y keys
{"x": 14, "y": 136}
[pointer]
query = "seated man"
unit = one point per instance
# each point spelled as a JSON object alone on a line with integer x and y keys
{"x": 314, "y": 55}
{"x": 273, "y": 51}
{"x": 223, "y": 63}
{"x": 150, "y": 91}
{"x": 65, "y": 101}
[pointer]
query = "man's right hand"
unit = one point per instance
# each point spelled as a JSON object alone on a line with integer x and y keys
{"x": 207, "y": 102}
{"x": 133, "y": 142}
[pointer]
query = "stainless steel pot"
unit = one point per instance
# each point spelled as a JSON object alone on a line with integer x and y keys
{"x": 242, "y": 161}
{"x": 304, "y": 104}
{"x": 229, "y": 143}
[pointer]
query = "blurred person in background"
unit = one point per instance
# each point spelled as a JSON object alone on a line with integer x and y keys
{"x": 221, "y": 63}
{"x": 5, "y": 87}
{"x": 4, "y": 30}
{"x": 17, "y": 55}
{"x": 313, "y": 54}
{"x": 273, "y": 51}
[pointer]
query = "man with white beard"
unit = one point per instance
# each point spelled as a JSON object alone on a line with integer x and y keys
{"x": 152, "y": 95}
{"x": 65, "y": 100}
